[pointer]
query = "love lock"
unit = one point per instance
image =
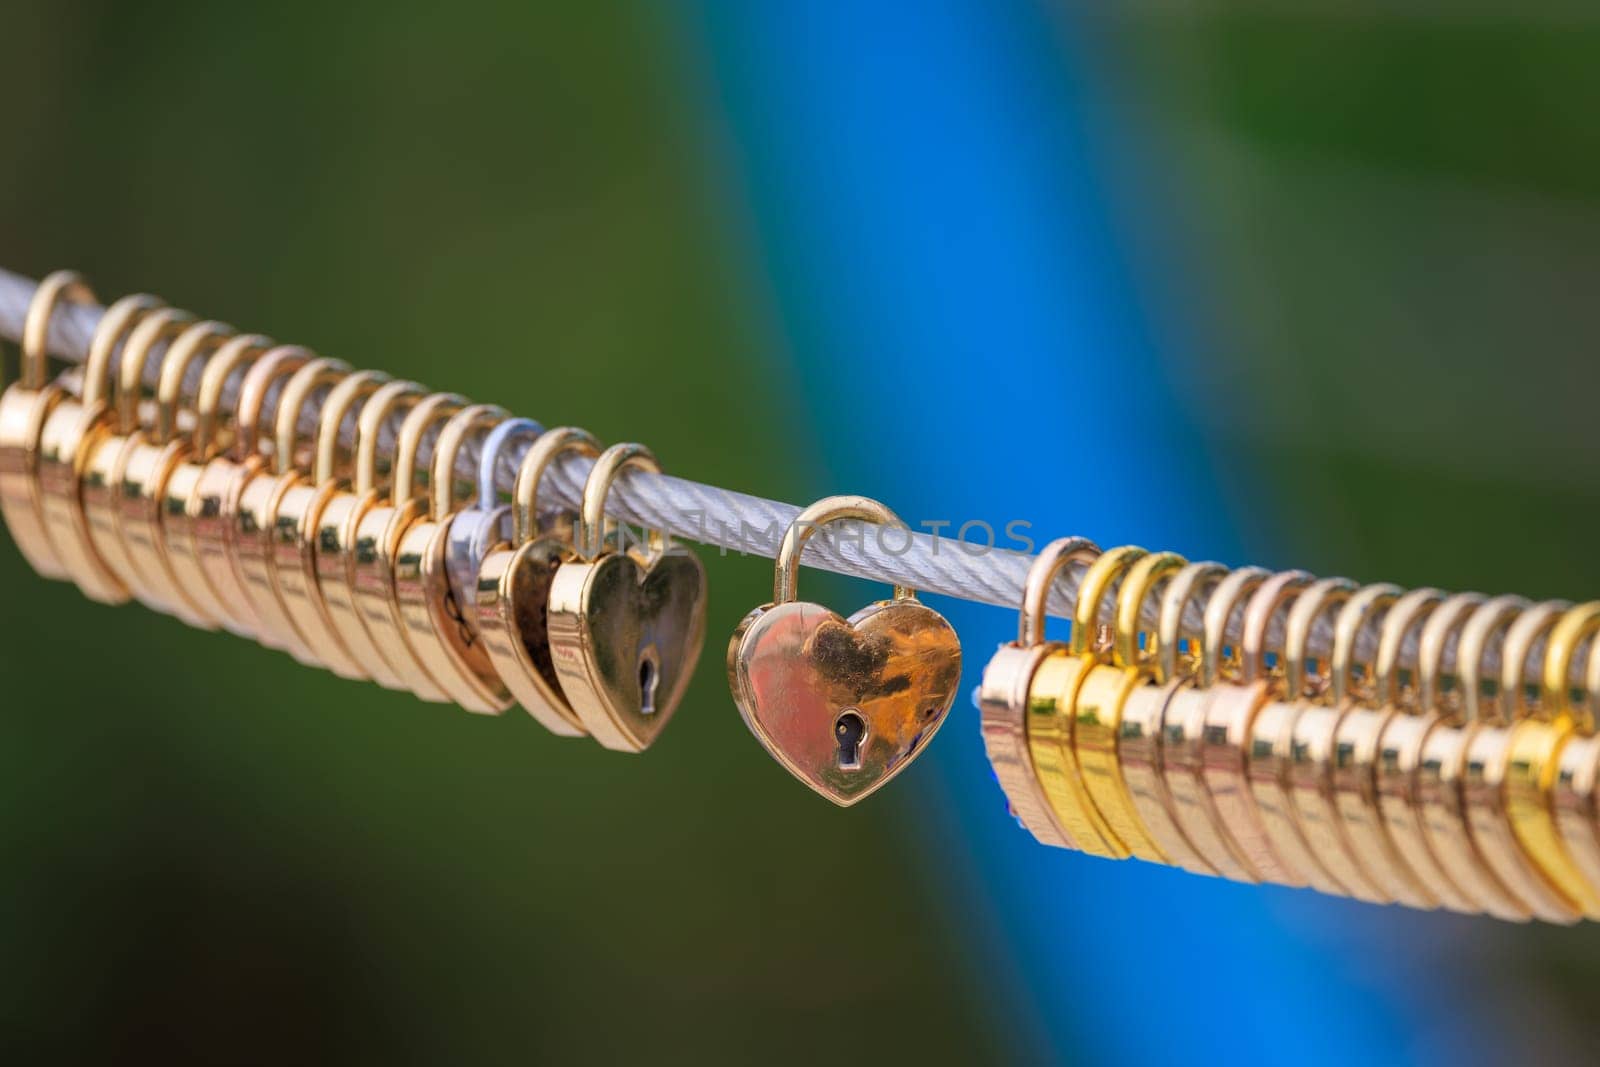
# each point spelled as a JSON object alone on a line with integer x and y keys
{"x": 843, "y": 704}
{"x": 513, "y": 586}
{"x": 626, "y": 624}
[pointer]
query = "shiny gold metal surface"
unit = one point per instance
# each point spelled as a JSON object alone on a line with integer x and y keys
{"x": 1228, "y": 740}
{"x": 1271, "y": 757}
{"x": 300, "y": 575}
{"x": 1053, "y": 708}
{"x": 476, "y": 529}
{"x": 1271, "y": 742}
{"x": 1002, "y": 707}
{"x": 1183, "y": 732}
{"x": 104, "y": 454}
{"x": 199, "y": 604}
{"x": 1576, "y": 800}
{"x": 339, "y": 524}
{"x": 1003, "y": 694}
{"x": 437, "y": 626}
{"x": 1355, "y": 753}
{"x": 73, "y": 432}
{"x": 24, "y": 407}
{"x": 1175, "y": 655}
{"x": 203, "y": 521}
{"x": 1307, "y": 772}
{"x": 248, "y": 507}
{"x": 1097, "y": 702}
{"x": 842, "y": 704}
{"x": 1137, "y": 651}
{"x": 1485, "y": 765}
{"x": 1182, "y": 728}
{"x": 1232, "y": 593}
{"x": 1576, "y": 795}
{"x": 1052, "y": 694}
{"x": 626, "y": 624}
{"x": 1441, "y": 765}
{"x": 513, "y": 597}
{"x": 1539, "y": 738}
{"x": 140, "y": 474}
{"x": 1091, "y": 642}
{"x": 1139, "y": 754}
{"x": 1400, "y": 742}
{"x": 1099, "y": 723}
{"x": 1484, "y": 790}
{"x": 376, "y": 545}
{"x": 1140, "y": 741}
{"x": 295, "y": 507}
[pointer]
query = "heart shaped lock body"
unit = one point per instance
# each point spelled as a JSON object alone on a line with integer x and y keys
{"x": 625, "y": 633}
{"x": 512, "y": 586}
{"x": 844, "y": 704}
{"x": 513, "y": 602}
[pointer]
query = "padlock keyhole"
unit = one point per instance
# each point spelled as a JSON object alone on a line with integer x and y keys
{"x": 649, "y": 680}
{"x": 849, "y": 731}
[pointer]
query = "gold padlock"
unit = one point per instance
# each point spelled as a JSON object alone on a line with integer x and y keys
{"x": 1003, "y": 694}
{"x": 440, "y": 633}
{"x": 339, "y": 531}
{"x": 374, "y": 542}
{"x": 626, "y": 623}
{"x": 73, "y": 432}
{"x": 513, "y": 597}
{"x": 197, "y": 504}
{"x": 181, "y": 468}
{"x": 248, "y": 509}
{"x": 843, "y": 704}
{"x": 296, "y": 500}
{"x": 24, "y": 407}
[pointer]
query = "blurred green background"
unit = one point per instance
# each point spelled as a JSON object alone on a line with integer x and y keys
{"x": 1370, "y": 237}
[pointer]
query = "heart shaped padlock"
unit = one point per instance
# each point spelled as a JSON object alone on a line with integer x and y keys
{"x": 843, "y": 704}
{"x": 514, "y": 579}
{"x": 625, "y": 624}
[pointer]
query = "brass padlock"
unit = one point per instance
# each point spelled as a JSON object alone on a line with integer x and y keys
{"x": 1003, "y": 695}
{"x": 843, "y": 704}
{"x": 513, "y": 594}
{"x": 24, "y": 407}
{"x": 626, "y": 624}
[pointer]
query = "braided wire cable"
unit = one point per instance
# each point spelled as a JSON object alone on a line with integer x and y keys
{"x": 739, "y": 522}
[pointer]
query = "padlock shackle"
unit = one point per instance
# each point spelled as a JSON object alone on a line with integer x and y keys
{"x": 474, "y": 418}
{"x": 390, "y": 398}
{"x": 342, "y": 399}
{"x": 1555, "y": 701}
{"x": 1106, "y": 569}
{"x": 65, "y": 285}
{"x": 433, "y": 410}
{"x": 1219, "y": 657}
{"x": 544, "y": 451}
{"x": 785, "y": 587}
{"x": 1055, "y": 558}
{"x": 161, "y": 326}
{"x": 118, "y": 321}
{"x": 1271, "y": 596}
{"x": 1136, "y": 588}
{"x": 317, "y": 373}
{"x": 591, "y": 534}
{"x": 248, "y": 407}
{"x": 196, "y": 344}
{"x": 234, "y": 353}
{"x": 1368, "y": 602}
{"x": 501, "y": 438}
